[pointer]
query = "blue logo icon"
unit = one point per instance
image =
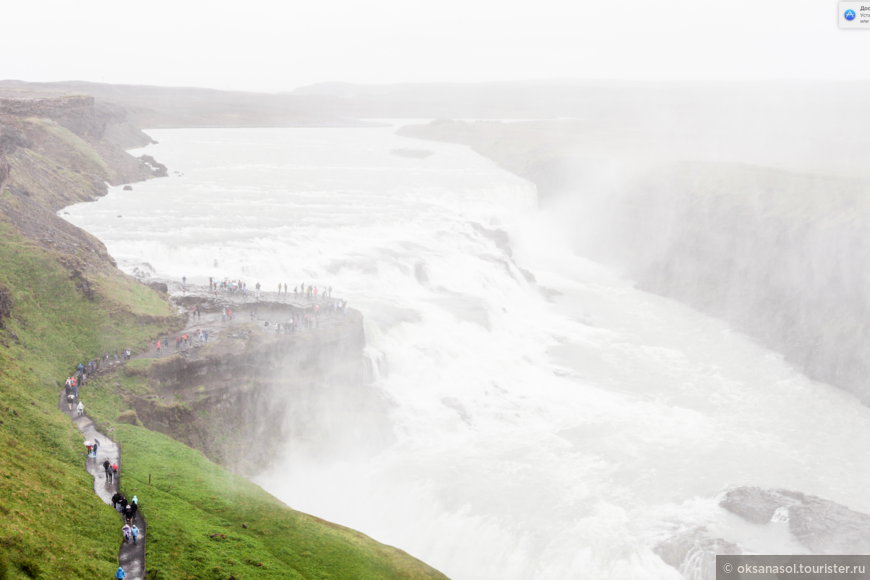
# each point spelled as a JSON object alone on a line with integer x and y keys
{"x": 849, "y": 15}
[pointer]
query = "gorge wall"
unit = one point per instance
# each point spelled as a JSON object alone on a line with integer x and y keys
{"x": 781, "y": 255}
{"x": 243, "y": 398}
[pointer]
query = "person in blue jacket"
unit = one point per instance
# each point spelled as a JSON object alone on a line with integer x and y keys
{"x": 120, "y": 574}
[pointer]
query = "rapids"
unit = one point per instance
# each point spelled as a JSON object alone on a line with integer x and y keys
{"x": 549, "y": 430}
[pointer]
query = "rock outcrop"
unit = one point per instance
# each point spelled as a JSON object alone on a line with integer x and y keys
{"x": 822, "y": 526}
{"x": 53, "y": 153}
{"x": 693, "y": 552}
{"x": 307, "y": 388}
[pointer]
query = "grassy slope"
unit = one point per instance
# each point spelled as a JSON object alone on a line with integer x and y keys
{"x": 49, "y": 514}
{"x": 190, "y": 499}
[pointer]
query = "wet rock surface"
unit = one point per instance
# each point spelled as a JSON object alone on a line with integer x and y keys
{"x": 252, "y": 382}
{"x": 693, "y": 552}
{"x": 131, "y": 556}
{"x": 822, "y": 526}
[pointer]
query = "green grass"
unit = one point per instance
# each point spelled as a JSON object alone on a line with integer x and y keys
{"x": 49, "y": 514}
{"x": 191, "y": 499}
{"x": 50, "y": 518}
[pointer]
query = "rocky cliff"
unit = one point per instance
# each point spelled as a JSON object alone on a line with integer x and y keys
{"x": 56, "y": 150}
{"x": 780, "y": 254}
{"x": 244, "y": 397}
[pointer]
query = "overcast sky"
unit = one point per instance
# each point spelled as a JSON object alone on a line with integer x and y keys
{"x": 272, "y": 46}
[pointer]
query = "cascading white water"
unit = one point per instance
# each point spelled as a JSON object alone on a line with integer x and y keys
{"x": 535, "y": 438}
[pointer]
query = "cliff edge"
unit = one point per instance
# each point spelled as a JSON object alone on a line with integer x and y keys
{"x": 778, "y": 253}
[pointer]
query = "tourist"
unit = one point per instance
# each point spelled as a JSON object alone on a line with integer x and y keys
{"x": 115, "y": 499}
{"x": 165, "y": 342}
{"x": 70, "y": 399}
{"x": 80, "y": 409}
{"x": 205, "y": 332}
{"x": 158, "y": 347}
{"x": 134, "y": 531}
{"x": 224, "y": 315}
{"x": 120, "y": 574}
{"x": 128, "y": 513}
{"x": 115, "y": 472}
{"x": 285, "y": 288}
{"x": 107, "y": 467}
{"x": 177, "y": 343}
{"x": 295, "y": 294}
{"x": 126, "y": 530}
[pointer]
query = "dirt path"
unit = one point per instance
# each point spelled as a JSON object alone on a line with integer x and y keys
{"x": 130, "y": 556}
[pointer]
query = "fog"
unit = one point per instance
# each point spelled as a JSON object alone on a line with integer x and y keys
{"x": 620, "y": 274}
{"x": 264, "y": 46}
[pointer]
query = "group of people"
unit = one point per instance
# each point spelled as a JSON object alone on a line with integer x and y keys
{"x": 129, "y": 530}
{"x": 91, "y": 445}
{"x": 305, "y": 319}
{"x": 72, "y": 394}
{"x": 227, "y": 285}
{"x": 127, "y": 509}
{"x": 111, "y": 470}
{"x": 312, "y": 292}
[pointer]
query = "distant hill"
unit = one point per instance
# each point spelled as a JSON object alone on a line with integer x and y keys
{"x": 152, "y": 107}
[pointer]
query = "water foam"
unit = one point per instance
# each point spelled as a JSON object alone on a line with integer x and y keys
{"x": 535, "y": 438}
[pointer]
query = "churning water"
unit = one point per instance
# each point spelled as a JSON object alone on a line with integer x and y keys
{"x": 539, "y": 434}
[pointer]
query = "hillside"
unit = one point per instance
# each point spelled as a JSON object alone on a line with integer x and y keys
{"x": 150, "y": 107}
{"x": 63, "y": 302}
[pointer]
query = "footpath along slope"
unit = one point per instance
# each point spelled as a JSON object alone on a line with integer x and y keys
{"x": 131, "y": 556}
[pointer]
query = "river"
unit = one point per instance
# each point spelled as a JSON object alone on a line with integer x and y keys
{"x": 557, "y": 429}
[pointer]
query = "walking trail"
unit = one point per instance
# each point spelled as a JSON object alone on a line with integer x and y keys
{"x": 131, "y": 556}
